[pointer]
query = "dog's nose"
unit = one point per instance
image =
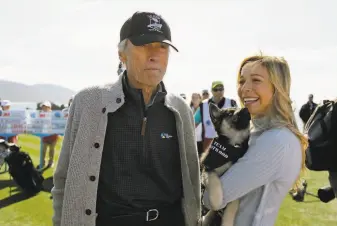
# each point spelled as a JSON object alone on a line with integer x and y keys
{"x": 246, "y": 112}
{"x": 235, "y": 118}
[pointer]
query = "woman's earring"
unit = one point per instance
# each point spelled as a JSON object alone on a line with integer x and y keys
{"x": 120, "y": 68}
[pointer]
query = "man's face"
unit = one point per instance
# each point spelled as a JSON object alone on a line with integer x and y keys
{"x": 45, "y": 108}
{"x": 6, "y": 108}
{"x": 311, "y": 98}
{"x": 218, "y": 91}
{"x": 146, "y": 64}
{"x": 205, "y": 95}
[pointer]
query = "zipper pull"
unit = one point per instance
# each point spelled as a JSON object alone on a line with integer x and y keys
{"x": 144, "y": 126}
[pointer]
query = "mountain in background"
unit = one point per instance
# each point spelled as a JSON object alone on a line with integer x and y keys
{"x": 18, "y": 92}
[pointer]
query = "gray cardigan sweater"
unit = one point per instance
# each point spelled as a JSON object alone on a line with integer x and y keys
{"x": 74, "y": 195}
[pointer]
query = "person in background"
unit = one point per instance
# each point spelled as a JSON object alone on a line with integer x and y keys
{"x": 202, "y": 116}
{"x": 70, "y": 100}
{"x": 183, "y": 95}
{"x": 307, "y": 109}
{"x": 48, "y": 142}
{"x": 205, "y": 94}
{"x": 6, "y": 106}
{"x": 129, "y": 155}
{"x": 195, "y": 104}
{"x": 69, "y": 103}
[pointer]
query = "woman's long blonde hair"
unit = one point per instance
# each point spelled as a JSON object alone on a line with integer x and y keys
{"x": 281, "y": 109}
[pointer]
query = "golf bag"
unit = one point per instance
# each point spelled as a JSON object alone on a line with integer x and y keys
{"x": 21, "y": 168}
{"x": 321, "y": 155}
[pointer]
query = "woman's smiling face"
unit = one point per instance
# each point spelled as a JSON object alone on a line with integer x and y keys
{"x": 255, "y": 89}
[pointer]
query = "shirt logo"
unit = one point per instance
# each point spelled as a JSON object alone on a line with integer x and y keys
{"x": 33, "y": 115}
{"x": 57, "y": 114}
{"x": 155, "y": 24}
{"x": 165, "y": 136}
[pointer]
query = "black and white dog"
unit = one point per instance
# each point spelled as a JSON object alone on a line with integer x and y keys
{"x": 232, "y": 126}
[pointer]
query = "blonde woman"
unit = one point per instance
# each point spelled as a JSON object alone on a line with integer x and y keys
{"x": 262, "y": 178}
{"x": 195, "y": 101}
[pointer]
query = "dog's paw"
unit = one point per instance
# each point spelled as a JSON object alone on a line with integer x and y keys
{"x": 204, "y": 178}
{"x": 215, "y": 191}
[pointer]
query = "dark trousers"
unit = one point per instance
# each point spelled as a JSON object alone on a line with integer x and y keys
{"x": 167, "y": 217}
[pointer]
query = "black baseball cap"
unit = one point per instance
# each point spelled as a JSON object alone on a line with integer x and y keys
{"x": 146, "y": 27}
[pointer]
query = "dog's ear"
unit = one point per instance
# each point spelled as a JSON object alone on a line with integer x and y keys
{"x": 4, "y": 143}
{"x": 14, "y": 147}
{"x": 214, "y": 112}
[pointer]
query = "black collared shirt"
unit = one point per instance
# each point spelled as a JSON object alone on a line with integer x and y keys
{"x": 139, "y": 171}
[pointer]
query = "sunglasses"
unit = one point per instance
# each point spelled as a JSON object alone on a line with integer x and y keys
{"x": 205, "y": 94}
{"x": 218, "y": 89}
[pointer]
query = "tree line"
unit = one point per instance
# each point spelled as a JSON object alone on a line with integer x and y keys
{"x": 53, "y": 106}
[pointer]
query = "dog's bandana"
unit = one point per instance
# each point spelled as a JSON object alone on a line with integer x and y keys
{"x": 221, "y": 152}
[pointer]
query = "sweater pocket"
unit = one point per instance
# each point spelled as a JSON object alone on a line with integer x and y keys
{"x": 192, "y": 218}
{"x": 57, "y": 195}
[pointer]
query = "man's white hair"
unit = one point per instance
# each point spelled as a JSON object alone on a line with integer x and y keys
{"x": 122, "y": 45}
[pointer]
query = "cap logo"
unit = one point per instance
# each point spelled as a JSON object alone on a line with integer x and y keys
{"x": 155, "y": 24}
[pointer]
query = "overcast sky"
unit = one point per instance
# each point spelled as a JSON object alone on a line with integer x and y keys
{"x": 73, "y": 43}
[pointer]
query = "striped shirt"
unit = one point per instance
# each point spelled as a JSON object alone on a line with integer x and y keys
{"x": 262, "y": 177}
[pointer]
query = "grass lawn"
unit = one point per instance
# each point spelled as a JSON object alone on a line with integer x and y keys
{"x": 18, "y": 210}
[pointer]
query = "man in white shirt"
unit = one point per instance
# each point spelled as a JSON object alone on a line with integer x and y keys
{"x": 6, "y": 106}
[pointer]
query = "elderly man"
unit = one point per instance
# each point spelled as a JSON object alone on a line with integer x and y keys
{"x": 129, "y": 154}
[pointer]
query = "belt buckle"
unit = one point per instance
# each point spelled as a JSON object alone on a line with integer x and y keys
{"x": 149, "y": 218}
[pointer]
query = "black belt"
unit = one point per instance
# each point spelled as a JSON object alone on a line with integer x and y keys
{"x": 147, "y": 215}
{"x": 151, "y": 214}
